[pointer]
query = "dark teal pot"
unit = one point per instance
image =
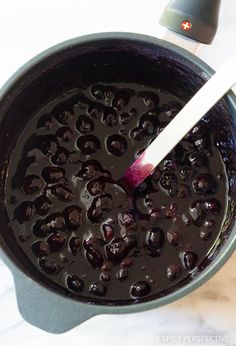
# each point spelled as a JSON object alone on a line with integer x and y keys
{"x": 126, "y": 54}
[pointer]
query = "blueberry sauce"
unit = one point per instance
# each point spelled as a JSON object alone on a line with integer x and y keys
{"x": 86, "y": 232}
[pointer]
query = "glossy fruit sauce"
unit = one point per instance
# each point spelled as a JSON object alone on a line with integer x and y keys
{"x": 79, "y": 226}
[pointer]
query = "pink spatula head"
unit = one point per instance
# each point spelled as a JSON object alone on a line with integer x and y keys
{"x": 194, "y": 110}
{"x": 137, "y": 172}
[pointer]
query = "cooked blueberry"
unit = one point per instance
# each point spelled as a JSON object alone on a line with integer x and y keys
{"x": 53, "y": 222}
{"x": 127, "y": 262}
{"x": 89, "y": 169}
{"x": 125, "y": 118}
{"x": 197, "y": 160}
{"x": 120, "y": 100}
{"x": 40, "y": 229}
{"x": 144, "y": 205}
{"x": 84, "y": 124}
{"x": 96, "y": 187}
{"x": 189, "y": 260}
{"x": 140, "y": 289}
{"x": 56, "y": 241}
{"x": 108, "y": 229}
{"x": 130, "y": 241}
{"x": 110, "y": 117}
{"x": 64, "y": 133}
{"x": 75, "y": 284}
{"x": 200, "y": 130}
{"x": 171, "y": 211}
{"x": 32, "y": 184}
{"x": 107, "y": 266}
{"x": 62, "y": 193}
{"x": 105, "y": 277}
{"x": 88, "y": 144}
{"x": 156, "y": 214}
{"x": 170, "y": 164}
{"x": 173, "y": 237}
{"x": 81, "y": 100}
{"x": 204, "y": 184}
{"x": 95, "y": 110}
{"x": 97, "y": 91}
{"x": 73, "y": 216}
{"x": 24, "y": 211}
{"x": 109, "y": 94}
{"x": 161, "y": 127}
{"x": 49, "y": 265}
{"x": 116, "y": 250}
{"x": 212, "y": 206}
{"x": 42, "y": 205}
{"x": 122, "y": 274}
{"x": 186, "y": 219}
{"x": 148, "y": 201}
{"x": 142, "y": 188}
{"x": 94, "y": 257}
{"x": 209, "y": 224}
{"x": 137, "y": 134}
{"x": 47, "y": 144}
{"x": 127, "y": 220}
{"x": 40, "y": 249}
{"x": 104, "y": 202}
{"x": 74, "y": 245}
{"x": 60, "y": 157}
{"x": 169, "y": 182}
{"x": 116, "y": 145}
{"x": 45, "y": 121}
{"x": 91, "y": 242}
{"x": 94, "y": 213}
{"x": 149, "y": 98}
{"x": 173, "y": 272}
{"x": 186, "y": 172}
{"x": 205, "y": 234}
{"x": 172, "y": 108}
{"x": 97, "y": 289}
{"x": 202, "y": 144}
{"x": 154, "y": 240}
{"x": 149, "y": 124}
{"x": 197, "y": 212}
{"x": 64, "y": 116}
{"x": 52, "y": 174}
{"x": 141, "y": 206}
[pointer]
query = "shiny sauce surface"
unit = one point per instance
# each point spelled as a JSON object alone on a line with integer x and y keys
{"x": 81, "y": 228}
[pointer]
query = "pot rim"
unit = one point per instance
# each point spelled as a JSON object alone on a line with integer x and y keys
{"x": 207, "y": 72}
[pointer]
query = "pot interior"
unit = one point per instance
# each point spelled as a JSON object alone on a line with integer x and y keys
{"x": 109, "y": 60}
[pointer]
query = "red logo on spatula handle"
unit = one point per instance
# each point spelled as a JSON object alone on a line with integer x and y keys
{"x": 186, "y": 25}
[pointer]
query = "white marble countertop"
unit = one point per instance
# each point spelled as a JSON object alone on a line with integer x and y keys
{"x": 209, "y": 314}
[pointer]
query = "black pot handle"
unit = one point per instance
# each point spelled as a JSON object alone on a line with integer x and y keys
{"x": 195, "y": 19}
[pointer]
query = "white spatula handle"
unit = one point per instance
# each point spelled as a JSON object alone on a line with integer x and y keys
{"x": 195, "y": 109}
{"x": 216, "y": 87}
